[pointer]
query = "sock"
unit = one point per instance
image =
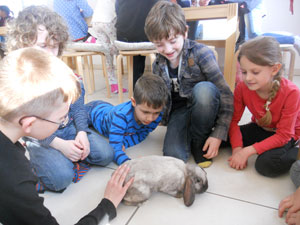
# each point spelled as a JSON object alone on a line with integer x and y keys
{"x": 115, "y": 89}
{"x": 80, "y": 168}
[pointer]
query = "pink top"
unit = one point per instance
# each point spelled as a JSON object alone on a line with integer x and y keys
{"x": 284, "y": 108}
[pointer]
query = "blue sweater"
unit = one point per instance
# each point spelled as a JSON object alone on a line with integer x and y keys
{"x": 119, "y": 125}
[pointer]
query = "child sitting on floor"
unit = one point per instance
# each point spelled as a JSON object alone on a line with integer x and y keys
{"x": 36, "y": 90}
{"x": 129, "y": 123}
{"x": 201, "y": 106}
{"x": 274, "y": 103}
{"x": 74, "y": 142}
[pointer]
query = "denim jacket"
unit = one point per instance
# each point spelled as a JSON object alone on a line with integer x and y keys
{"x": 197, "y": 64}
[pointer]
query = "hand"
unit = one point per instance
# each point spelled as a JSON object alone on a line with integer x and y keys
{"x": 82, "y": 138}
{"x": 115, "y": 188}
{"x": 204, "y": 2}
{"x": 212, "y": 147}
{"x": 294, "y": 219}
{"x": 292, "y": 203}
{"x": 70, "y": 148}
{"x": 123, "y": 148}
{"x": 239, "y": 158}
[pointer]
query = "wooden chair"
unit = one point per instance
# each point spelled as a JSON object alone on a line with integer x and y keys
{"x": 84, "y": 67}
{"x": 129, "y": 55}
{"x": 290, "y": 49}
{"x": 230, "y": 13}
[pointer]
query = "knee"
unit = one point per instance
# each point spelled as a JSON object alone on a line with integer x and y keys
{"x": 101, "y": 156}
{"x": 205, "y": 93}
{"x": 267, "y": 166}
{"x": 60, "y": 180}
{"x": 295, "y": 173}
{"x": 176, "y": 153}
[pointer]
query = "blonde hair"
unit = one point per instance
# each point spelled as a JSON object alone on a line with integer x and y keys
{"x": 164, "y": 19}
{"x": 23, "y": 30}
{"x": 33, "y": 82}
{"x": 264, "y": 51}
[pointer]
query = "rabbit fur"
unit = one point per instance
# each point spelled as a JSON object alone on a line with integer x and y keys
{"x": 164, "y": 174}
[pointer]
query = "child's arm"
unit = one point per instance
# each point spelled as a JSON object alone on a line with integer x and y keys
{"x": 210, "y": 69}
{"x": 70, "y": 148}
{"x": 81, "y": 123}
{"x": 285, "y": 128}
{"x": 116, "y": 137}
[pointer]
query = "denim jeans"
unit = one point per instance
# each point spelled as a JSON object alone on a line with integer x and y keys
{"x": 54, "y": 169}
{"x": 193, "y": 123}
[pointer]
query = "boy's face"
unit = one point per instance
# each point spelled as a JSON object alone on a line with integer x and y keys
{"x": 145, "y": 114}
{"x": 41, "y": 42}
{"x": 42, "y": 128}
{"x": 171, "y": 48}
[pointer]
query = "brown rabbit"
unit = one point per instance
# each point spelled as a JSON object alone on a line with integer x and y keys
{"x": 164, "y": 174}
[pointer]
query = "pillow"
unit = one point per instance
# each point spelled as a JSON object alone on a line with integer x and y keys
{"x": 86, "y": 47}
{"x": 121, "y": 45}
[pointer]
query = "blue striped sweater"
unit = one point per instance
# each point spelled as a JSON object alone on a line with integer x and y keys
{"x": 118, "y": 124}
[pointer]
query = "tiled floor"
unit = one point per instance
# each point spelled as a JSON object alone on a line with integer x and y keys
{"x": 233, "y": 197}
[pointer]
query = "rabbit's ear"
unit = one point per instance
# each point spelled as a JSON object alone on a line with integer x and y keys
{"x": 189, "y": 191}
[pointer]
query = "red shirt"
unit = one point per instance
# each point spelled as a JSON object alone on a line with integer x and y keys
{"x": 284, "y": 108}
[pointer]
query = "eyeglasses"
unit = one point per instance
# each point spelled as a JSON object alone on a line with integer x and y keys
{"x": 61, "y": 124}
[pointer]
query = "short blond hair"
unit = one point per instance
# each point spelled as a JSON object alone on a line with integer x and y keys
{"x": 165, "y": 19}
{"x": 33, "y": 82}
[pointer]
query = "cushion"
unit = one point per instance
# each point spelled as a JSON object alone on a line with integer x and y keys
{"x": 86, "y": 47}
{"x": 121, "y": 45}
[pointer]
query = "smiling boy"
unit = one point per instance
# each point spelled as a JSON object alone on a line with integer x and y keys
{"x": 199, "y": 113}
{"x": 129, "y": 123}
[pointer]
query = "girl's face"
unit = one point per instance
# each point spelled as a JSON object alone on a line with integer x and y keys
{"x": 41, "y": 42}
{"x": 258, "y": 78}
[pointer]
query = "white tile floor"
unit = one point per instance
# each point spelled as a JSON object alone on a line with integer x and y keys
{"x": 233, "y": 197}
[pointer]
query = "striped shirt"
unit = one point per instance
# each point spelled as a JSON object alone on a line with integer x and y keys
{"x": 119, "y": 125}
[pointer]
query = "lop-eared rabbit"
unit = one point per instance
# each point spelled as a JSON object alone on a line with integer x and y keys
{"x": 164, "y": 174}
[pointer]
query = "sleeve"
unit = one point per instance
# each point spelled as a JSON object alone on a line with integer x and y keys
{"x": 211, "y": 70}
{"x": 235, "y": 135}
{"x": 116, "y": 137}
{"x": 142, "y": 133}
{"x": 24, "y": 202}
{"x": 87, "y": 11}
{"x": 184, "y": 3}
{"x": 285, "y": 128}
{"x": 80, "y": 115}
{"x": 104, "y": 211}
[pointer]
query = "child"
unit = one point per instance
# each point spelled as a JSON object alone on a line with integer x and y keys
{"x": 292, "y": 203}
{"x": 36, "y": 90}
{"x": 74, "y": 141}
{"x": 103, "y": 29}
{"x": 201, "y": 106}
{"x": 75, "y": 13}
{"x": 130, "y": 123}
{"x": 274, "y": 104}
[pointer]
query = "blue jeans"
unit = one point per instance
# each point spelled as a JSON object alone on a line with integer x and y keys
{"x": 193, "y": 123}
{"x": 54, "y": 169}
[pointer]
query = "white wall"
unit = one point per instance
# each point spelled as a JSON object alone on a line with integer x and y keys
{"x": 279, "y": 18}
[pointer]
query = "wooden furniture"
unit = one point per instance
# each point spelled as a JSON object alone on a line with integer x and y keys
{"x": 3, "y": 30}
{"x": 289, "y": 48}
{"x": 224, "y": 11}
{"x": 84, "y": 67}
{"x": 129, "y": 55}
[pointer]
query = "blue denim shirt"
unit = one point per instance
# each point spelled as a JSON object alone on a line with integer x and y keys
{"x": 198, "y": 63}
{"x": 74, "y": 12}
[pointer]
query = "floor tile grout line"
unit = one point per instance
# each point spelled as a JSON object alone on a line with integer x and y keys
{"x": 253, "y": 203}
{"x": 137, "y": 208}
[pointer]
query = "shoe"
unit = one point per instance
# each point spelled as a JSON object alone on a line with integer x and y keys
{"x": 196, "y": 149}
{"x": 115, "y": 89}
